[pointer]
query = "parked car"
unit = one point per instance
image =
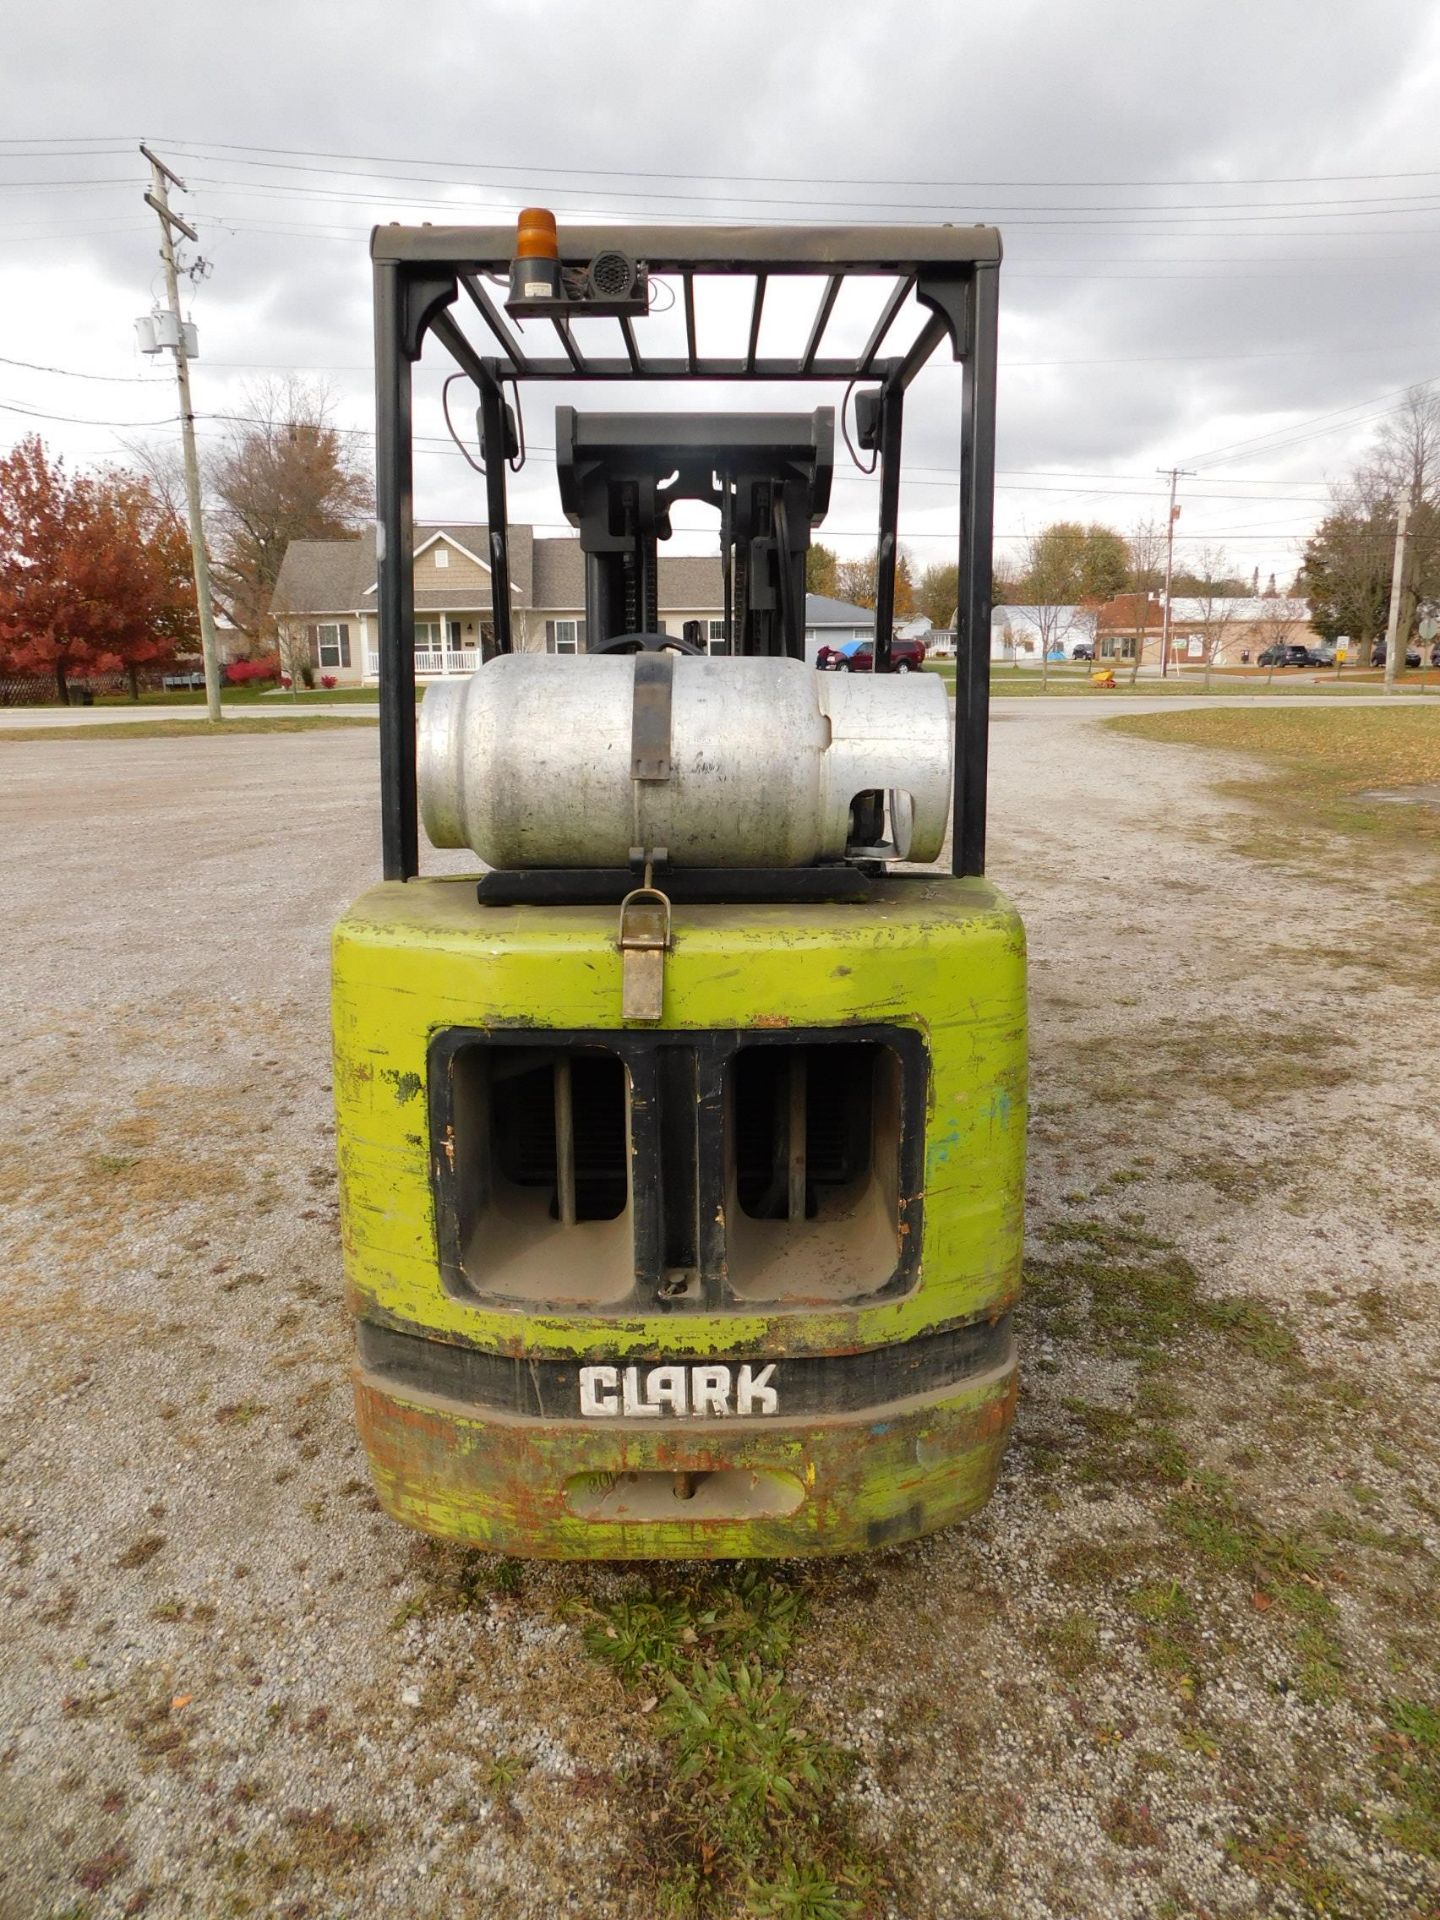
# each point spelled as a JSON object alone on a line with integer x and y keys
{"x": 1085, "y": 651}
{"x": 1322, "y": 653}
{"x": 1377, "y": 655}
{"x": 1435, "y": 654}
{"x": 858, "y": 656}
{"x": 1288, "y": 653}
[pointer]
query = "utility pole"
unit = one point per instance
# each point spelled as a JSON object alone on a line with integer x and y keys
{"x": 161, "y": 178}
{"x": 1397, "y": 631}
{"x": 1175, "y": 474}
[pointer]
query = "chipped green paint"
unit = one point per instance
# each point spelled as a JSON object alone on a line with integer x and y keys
{"x": 943, "y": 956}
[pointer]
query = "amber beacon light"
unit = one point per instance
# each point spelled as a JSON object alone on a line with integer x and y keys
{"x": 535, "y": 270}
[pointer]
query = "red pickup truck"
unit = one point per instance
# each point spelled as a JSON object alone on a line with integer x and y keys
{"x": 858, "y": 656}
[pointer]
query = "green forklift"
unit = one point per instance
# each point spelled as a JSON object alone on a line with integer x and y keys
{"x": 681, "y": 1140}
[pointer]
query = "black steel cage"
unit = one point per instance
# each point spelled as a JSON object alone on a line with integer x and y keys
{"x": 952, "y": 272}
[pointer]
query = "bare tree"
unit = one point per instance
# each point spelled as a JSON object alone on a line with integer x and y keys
{"x": 1147, "y": 576}
{"x": 295, "y": 651}
{"x": 1052, "y": 572}
{"x": 285, "y": 472}
{"x": 163, "y": 465}
{"x": 1405, "y": 461}
{"x": 1404, "y": 468}
{"x": 1216, "y": 604}
{"x": 1272, "y": 629}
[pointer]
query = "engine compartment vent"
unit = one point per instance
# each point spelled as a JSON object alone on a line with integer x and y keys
{"x": 678, "y": 1171}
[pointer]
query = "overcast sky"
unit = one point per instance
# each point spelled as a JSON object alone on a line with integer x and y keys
{"x": 1219, "y": 219}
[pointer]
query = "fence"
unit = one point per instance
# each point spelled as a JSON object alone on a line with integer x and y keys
{"x": 27, "y": 689}
{"x": 38, "y": 689}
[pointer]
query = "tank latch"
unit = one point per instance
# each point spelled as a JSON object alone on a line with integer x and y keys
{"x": 644, "y": 942}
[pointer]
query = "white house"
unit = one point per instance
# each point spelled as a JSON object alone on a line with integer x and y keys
{"x": 1020, "y": 634}
{"x": 327, "y": 588}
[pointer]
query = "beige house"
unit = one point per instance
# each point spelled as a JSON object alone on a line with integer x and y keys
{"x": 326, "y": 591}
{"x": 1238, "y": 629}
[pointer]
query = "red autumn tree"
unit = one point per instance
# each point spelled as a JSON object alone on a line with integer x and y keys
{"x": 94, "y": 571}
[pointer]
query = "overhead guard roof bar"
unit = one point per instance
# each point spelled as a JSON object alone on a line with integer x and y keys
{"x": 905, "y": 254}
{"x": 951, "y": 270}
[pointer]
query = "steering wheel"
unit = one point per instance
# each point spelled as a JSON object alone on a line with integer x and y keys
{"x": 646, "y": 643}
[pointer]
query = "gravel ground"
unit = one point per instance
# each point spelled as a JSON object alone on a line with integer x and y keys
{"x": 1157, "y": 1677}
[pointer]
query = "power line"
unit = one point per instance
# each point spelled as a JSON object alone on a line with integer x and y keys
{"x": 1288, "y": 435}
{"x": 78, "y": 420}
{"x": 1381, "y": 202}
{"x": 73, "y": 373}
{"x": 781, "y": 179}
{"x": 1015, "y": 217}
{"x": 30, "y": 186}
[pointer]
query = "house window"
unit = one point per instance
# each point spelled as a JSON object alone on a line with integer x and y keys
{"x": 442, "y": 556}
{"x": 564, "y": 636}
{"x": 718, "y": 642}
{"x": 332, "y": 644}
{"x": 427, "y": 636}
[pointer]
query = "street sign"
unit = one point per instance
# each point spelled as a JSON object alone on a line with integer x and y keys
{"x": 1429, "y": 627}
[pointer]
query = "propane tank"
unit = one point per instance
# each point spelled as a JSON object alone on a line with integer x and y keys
{"x": 535, "y": 761}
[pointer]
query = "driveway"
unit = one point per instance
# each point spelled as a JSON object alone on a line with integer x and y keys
{"x": 1158, "y": 1675}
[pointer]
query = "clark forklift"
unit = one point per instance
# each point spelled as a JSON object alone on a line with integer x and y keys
{"x": 681, "y": 1143}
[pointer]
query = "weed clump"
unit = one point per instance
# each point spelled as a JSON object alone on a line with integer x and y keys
{"x": 751, "y": 1814}
{"x": 456, "y": 1580}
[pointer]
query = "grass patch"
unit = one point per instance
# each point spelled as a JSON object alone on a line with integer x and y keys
{"x": 1409, "y": 1766}
{"x": 1279, "y": 1858}
{"x": 745, "y": 1811}
{"x": 1321, "y": 1675}
{"x": 1170, "y": 1636}
{"x": 1142, "y": 1299}
{"x": 1247, "y": 1067}
{"x": 1018, "y": 682}
{"x": 1226, "y": 1537}
{"x": 1328, "y": 760}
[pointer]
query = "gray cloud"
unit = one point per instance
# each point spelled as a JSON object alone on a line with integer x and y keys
{"x": 1142, "y": 324}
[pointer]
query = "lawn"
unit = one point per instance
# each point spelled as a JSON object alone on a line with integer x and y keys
{"x": 1026, "y": 683}
{"x": 244, "y": 696}
{"x": 1329, "y": 761}
{"x": 182, "y": 729}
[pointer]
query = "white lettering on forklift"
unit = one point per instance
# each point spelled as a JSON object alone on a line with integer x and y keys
{"x": 704, "y": 1393}
{"x": 668, "y": 1388}
{"x": 710, "y": 1391}
{"x": 597, "y": 1391}
{"x": 753, "y": 1392}
{"x": 634, "y": 1406}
